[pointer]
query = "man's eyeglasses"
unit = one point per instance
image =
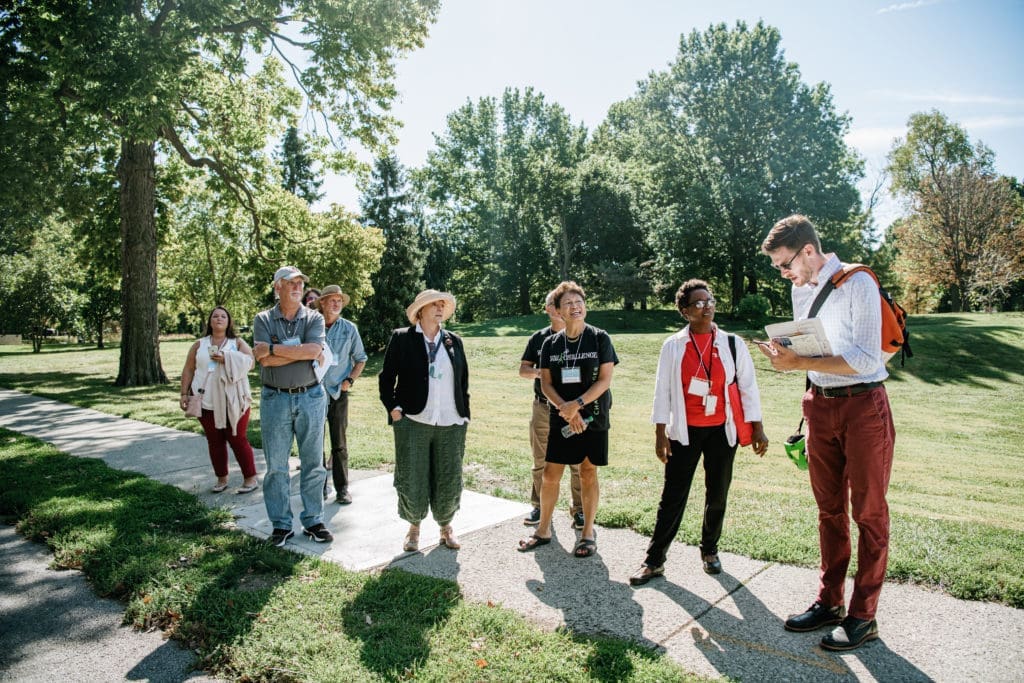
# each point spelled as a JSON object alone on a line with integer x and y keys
{"x": 701, "y": 304}
{"x": 787, "y": 264}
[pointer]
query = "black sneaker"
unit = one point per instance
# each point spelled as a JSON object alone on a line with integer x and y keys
{"x": 578, "y": 520}
{"x": 532, "y": 519}
{"x": 280, "y": 537}
{"x": 319, "y": 533}
{"x": 816, "y": 616}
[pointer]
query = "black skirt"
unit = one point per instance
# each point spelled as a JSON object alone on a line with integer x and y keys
{"x": 591, "y": 445}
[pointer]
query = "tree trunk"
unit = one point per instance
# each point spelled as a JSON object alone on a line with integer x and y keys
{"x": 140, "y": 342}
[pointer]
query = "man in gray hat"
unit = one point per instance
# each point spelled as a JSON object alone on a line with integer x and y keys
{"x": 349, "y": 359}
{"x": 287, "y": 339}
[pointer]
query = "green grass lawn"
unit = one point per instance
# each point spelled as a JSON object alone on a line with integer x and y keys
{"x": 957, "y": 482}
{"x": 257, "y": 613}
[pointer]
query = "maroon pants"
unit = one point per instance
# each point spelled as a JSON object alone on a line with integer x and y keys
{"x": 849, "y": 458}
{"x": 217, "y": 441}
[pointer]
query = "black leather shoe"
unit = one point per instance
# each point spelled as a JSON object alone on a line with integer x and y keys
{"x": 816, "y": 616}
{"x": 850, "y": 634}
{"x": 712, "y": 565}
{"x": 344, "y": 498}
{"x": 645, "y": 574}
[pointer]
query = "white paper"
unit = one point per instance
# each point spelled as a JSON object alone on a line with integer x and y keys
{"x": 806, "y": 337}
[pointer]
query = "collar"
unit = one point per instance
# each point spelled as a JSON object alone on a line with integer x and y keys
{"x": 278, "y": 313}
{"x": 436, "y": 339}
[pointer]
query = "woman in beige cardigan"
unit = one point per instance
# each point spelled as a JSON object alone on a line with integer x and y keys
{"x": 216, "y": 368}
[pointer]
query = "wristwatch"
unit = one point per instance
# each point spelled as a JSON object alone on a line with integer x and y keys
{"x": 350, "y": 381}
{"x": 579, "y": 399}
{"x": 271, "y": 349}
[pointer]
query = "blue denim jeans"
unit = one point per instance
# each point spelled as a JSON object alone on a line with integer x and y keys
{"x": 286, "y": 417}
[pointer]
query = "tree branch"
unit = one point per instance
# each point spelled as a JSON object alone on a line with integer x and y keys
{"x": 237, "y": 186}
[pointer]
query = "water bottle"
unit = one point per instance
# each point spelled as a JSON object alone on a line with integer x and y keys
{"x": 567, "y": 430}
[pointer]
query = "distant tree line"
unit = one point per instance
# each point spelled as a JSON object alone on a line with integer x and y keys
{"x": 140, "y": 198}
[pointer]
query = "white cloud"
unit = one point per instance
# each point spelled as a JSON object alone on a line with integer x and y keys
{"x": 872, "y": 142}
{"x": 947, "y": 98}
{"x": 903, "y": 6}
{"x": 994, "y": 122}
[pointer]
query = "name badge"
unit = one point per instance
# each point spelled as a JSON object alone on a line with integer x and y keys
{"x": 571, "y": 376}
{"x": 710, "y": 401}
{"x": 698, "y": 387}
{"x": 292, "y": 341}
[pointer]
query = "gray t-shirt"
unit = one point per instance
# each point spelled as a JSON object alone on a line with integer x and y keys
{"x": 307, "y": 327}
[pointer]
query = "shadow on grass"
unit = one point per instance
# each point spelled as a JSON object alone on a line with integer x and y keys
{"x": 174, "y": 561}
{"x": 952, "y": 349}
{"x": 392, "y": 616}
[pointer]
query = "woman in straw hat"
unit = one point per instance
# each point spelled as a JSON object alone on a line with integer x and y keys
{"x": 424, "y": 387}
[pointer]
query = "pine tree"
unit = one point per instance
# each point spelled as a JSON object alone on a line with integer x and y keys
{"x": 297, "y": 174}
{"x": 386, "y": 205}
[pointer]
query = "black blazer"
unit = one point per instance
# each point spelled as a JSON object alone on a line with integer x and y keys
{"x": 404, "y": 379}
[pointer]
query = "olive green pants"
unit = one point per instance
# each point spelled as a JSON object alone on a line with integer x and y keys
{"x": 428, "y": 470}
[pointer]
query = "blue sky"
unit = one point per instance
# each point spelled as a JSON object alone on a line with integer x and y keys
{"x": 884, "y": 61}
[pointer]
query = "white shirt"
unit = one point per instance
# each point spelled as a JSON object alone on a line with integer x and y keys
{"x": 205, "y": 367}
{"x": 670, "y": 404}
{"x": 852, "y": 318}
{"x": 440, "y": 410}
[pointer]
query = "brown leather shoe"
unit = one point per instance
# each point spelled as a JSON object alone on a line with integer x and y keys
{"x": 412, "y": 539}
{"x": 645, "y": 574}
{"x": 448, "y": 537}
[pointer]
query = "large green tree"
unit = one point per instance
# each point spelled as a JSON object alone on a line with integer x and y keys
{"x": 386, "y": 204}
{"x": 205, "y": 81}
{"x": 499, "y": 183}
{"x": 963, "y": 232}
{"x": 732, "y": 139}
{"x": 298, "y": 174}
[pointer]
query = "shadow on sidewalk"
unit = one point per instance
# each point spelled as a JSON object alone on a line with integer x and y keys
{"x": 742, "y": 639}
{"x": 593, "y": 605}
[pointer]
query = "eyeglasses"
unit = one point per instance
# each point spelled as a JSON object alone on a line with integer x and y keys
{"x": 701, "y": 304}
{"x": 787, "y": 264}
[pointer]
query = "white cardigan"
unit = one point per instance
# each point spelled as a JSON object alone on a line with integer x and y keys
{"x": 669, "y": 402}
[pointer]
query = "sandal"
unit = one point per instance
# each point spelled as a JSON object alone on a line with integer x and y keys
{"x": 248, "y": 489}
{"x": 412, "y": 539}
{"x": 531, "y": 542}
{"x": 448, "y": 537}
{"x": 219, "y": 488}
{"x": 585, "y": 547}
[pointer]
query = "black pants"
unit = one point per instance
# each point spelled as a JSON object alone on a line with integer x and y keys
{"x": 718, "y": 459}
{"x": 337, "y": 425}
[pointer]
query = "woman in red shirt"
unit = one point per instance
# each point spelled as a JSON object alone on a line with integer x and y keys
{"x": 693, "y": 417}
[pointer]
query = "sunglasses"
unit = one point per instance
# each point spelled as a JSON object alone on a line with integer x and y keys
{"x": 787, "y": 264}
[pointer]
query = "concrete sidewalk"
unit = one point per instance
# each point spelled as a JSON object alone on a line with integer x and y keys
{"x": 729, "y": 625}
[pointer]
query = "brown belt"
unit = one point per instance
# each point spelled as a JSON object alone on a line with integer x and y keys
{"x": 844, "y": 392}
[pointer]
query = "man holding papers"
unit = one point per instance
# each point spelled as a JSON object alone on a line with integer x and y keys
{"x": 850, "y": 430}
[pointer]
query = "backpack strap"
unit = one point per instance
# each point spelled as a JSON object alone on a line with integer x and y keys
{"x": 732, "y": 350}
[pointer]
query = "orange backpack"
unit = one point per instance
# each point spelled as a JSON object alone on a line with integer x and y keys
{"x": 895, "y": 335}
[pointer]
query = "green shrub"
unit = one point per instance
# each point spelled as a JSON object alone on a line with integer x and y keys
{"x": 753, "y": 309}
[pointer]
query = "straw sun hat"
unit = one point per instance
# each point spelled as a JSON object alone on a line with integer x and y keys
{"x": 429, "y": 296}
{"x": 332, "y": 290}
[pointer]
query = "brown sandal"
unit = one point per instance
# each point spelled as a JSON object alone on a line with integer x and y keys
{"x": 448, "y": 537}
{"x": 412, "y": 539}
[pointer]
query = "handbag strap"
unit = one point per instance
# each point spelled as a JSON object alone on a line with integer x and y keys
{"x": 732, "y": 350}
